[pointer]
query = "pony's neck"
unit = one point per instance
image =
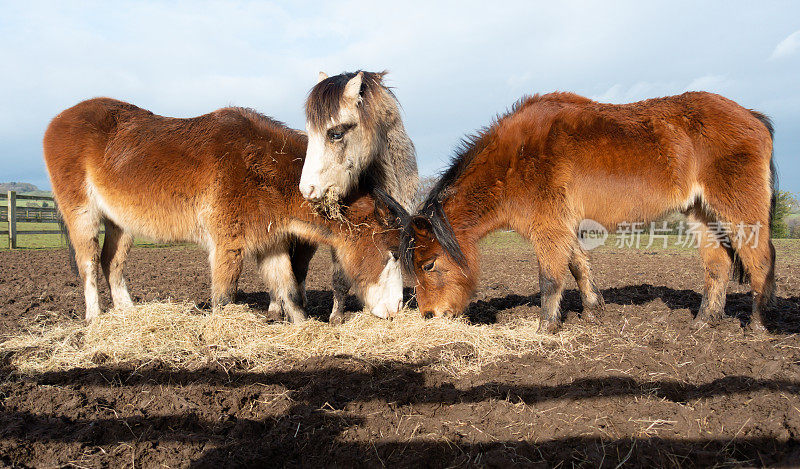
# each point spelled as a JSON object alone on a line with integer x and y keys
{"x": 472, "y": 203}
{"x": 395, "y": 161}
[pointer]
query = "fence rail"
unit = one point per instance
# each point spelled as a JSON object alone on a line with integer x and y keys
{"x": 12, "y": 214}
{"x": 25, "y": 196}
{"x": 32, "y": 214}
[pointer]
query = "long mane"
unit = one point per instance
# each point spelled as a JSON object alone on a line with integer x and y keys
{"x": 325, "y": 98}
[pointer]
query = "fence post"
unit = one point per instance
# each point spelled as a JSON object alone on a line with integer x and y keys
{"x": 12, "y": 219}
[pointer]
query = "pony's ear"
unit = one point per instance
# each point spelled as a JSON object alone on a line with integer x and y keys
{"x": 321, "y": 76}
{"x": 422, "y": 226}
{"x": 385, "y": 216}
{"x": 353, "y": 87}
{"x": 389, "y": 213}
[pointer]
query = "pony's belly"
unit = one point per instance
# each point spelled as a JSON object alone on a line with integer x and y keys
{"x": 613, "y": 208}
{"x": 147, "y": 216}
{"x": 611, "y": 201}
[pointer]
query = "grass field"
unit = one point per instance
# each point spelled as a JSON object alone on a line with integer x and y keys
{"x": 49, "y": 241}
{"x": 497, "y": 240}
{"x": 505, "y": 240}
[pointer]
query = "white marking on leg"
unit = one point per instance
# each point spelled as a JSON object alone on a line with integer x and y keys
{"x": 276, "y": 270}
{"x": 90, "y": 292}
{"x": 119, "y": 292}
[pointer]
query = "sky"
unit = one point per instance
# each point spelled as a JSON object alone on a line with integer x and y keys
{"x": 453, "y": 65}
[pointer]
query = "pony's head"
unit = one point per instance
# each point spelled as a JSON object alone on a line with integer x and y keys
{"x": 445, "y": 273}
{"x": 344, "y": 115}
{"x": 368, "y": 246}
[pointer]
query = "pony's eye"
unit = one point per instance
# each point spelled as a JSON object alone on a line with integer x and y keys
{"x": 337, "y": 132}
{"x": 429, "y": 266}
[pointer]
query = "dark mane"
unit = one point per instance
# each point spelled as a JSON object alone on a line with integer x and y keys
{"x": 469, "y": 146}
{"x": 324, "y": 98}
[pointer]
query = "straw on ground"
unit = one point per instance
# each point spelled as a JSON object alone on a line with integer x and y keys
{"x": 180, "y": 335}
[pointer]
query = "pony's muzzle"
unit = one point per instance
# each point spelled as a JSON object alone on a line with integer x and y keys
{"x": 386, "y": 311}
{"x": 310, "y": 192}
{"x": 384, "y": 298}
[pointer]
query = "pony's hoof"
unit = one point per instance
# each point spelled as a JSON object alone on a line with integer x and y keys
{"x": 702, "y": 320}
{"x": 548, "y": 327}
{"x": 91, "y": 316}
{"x": 336, "y": 319}
{"x": 756, "y": 328}
{"x": 706, "y": 318}
{"x": 699, "y": 323}
{"x": 297, "y": 317}
{"x": 591, "y": 316}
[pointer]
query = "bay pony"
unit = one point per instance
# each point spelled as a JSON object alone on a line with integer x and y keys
{"x": 557, "y": 159}
{"x": 228, "y": 181}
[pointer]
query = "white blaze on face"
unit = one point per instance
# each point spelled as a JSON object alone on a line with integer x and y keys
{"x": 311, "y": 185}
{"x": 385, "y": 298}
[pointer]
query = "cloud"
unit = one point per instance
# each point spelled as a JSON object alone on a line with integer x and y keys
{"x": 714, "y": 83}
{"x": 453, "y": 67}
{"x": 619, "y": 94}
{"x": 787, "y": 47}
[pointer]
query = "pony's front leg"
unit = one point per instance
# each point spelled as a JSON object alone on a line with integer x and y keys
{"x": 341, "y": 285}
{"x": 276, "y": 270}
{"x": 226, "y": 266}
{"x": 301, "y": 253}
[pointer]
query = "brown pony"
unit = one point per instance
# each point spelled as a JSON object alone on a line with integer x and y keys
{"x": 557, "y": 159}
{"x": 228, "y": 181}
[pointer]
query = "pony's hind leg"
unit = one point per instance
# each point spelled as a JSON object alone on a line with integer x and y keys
{"x": 116, "y": 246}
{"x": 276, "y": 270}
{"x": 302, "y": 253}
{"x": 591, "y": 297}
{"x": 746, "y": 213}
{"x": 758, "y": 260}
{"x": 716, "y": 265}
{"x": 226, "y": 266}
{"x": 83, "y": 226}
{"x": 341, "y": 285}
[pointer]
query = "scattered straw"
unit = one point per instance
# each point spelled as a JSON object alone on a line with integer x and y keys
{"x": 179, "y": 335}
{"x": 329, "y": 206}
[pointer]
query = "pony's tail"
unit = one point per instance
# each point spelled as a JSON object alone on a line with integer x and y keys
{"x": 769, "y": 287}
{"x": 739, "y": 272}
{"x": 73, "y": 264}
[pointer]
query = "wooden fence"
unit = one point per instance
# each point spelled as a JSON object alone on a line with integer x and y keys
{"x": 12, "y": 214}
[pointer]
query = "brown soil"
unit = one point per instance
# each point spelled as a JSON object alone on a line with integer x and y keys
{"x": 649, "y": 389}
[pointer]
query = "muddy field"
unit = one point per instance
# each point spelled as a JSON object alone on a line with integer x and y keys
{"x": 644, "y": 388}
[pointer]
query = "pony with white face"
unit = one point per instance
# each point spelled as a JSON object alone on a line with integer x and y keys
{"x": 355, "y": 133}
{"x": 354, "y": 128}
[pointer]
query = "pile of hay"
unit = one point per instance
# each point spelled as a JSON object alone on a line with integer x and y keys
{"x": 329, "y": 207}
{"x": 180, "y": 335}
